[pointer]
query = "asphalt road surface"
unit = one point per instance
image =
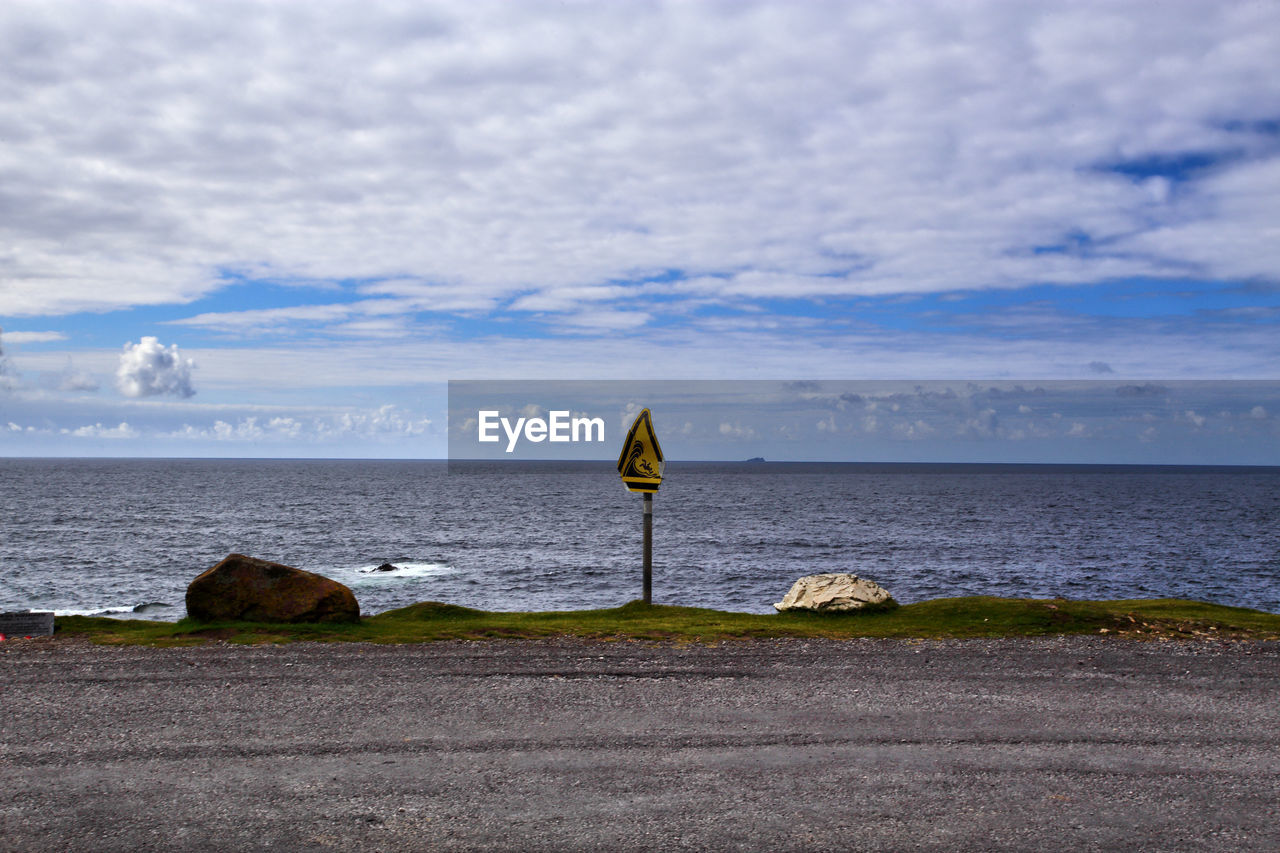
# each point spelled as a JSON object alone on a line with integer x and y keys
{"x": 1057, "y": 744}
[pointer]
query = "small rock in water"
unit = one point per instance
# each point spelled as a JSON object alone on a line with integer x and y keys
{"x": 387, "y": 567}
{"x": 834, "y": 593}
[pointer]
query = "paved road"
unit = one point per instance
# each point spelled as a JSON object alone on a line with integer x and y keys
{"x": 1057, "y": 744}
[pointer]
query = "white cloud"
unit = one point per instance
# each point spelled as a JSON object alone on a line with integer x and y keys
{"x": 385, "y": 421}
{"x": 262, "y": 320}
{"x": 371, "y": 318}
{"x": 598, "y": 321}
{"x": 245, "y": 429}
{"x": 285, "y": 427}
{"x": 1194, "y": 419}
{"x": 148, "y": 369}
{"x": 33, "y": 337}
{"x": 99, "y": 431}
{"x": 442, "y": 154}
{"x": 387, "y": 328}
{"x": 388, "y": 421}
{"x": 915, "y": 430}
{"x": 737, "y": 431}
{"x": 984, "y": 424}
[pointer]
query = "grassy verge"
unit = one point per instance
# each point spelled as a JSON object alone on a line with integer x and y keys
{"x": 978, "y": 616}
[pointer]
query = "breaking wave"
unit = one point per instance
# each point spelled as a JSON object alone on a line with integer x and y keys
{"x": 373, "y": 573}
{"x": 150, "y": 609}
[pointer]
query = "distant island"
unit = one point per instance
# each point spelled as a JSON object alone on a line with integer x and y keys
{"x": 756, "y": 459}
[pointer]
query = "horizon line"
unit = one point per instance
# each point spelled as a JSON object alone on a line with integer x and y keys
{"x": 678, "y": 462}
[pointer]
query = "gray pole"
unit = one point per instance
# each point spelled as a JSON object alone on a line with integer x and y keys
{"x": 648, "y": 548}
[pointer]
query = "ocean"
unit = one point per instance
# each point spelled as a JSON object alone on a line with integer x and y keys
{"x": 125, "y": 537}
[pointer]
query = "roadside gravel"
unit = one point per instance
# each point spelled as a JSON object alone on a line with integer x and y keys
{"x": 1077, "y": 743}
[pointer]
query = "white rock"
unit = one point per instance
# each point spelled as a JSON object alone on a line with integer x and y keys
{"x": 833, "y": 593}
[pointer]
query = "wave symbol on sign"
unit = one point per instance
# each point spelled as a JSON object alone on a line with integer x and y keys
{"x": 637, "y": 465}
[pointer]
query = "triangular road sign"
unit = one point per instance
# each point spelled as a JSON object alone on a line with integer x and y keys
{"x": 640, "y": 462}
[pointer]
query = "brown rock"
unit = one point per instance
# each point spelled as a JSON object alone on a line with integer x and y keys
{"x": 253, "y": 590}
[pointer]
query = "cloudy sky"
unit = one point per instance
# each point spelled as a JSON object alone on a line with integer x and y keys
{"x": 1091, "y": 421}
{"x": 275, "y": 229}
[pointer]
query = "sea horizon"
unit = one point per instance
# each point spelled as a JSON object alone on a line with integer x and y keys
{"x": 676, "y": 462}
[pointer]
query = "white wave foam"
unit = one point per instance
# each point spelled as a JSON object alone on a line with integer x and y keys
{"x": 404, "y": 570}
{"x": 94, "y": 611}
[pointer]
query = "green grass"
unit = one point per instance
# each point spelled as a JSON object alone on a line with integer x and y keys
{"x": 978, "y": 616}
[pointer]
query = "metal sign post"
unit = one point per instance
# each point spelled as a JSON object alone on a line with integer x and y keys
{"x": 641, "y": 466}
{"x": 648, "y": 548}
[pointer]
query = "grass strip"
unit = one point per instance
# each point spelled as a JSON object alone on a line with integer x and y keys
{"x": 972, "y": 616}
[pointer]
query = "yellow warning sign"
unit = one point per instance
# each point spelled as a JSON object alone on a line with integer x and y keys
{"x": 640, "y": 462}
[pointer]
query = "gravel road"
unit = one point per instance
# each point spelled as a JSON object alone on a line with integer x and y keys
{"x": 1083, "y": 743}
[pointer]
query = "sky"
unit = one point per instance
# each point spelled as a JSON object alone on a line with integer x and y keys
{"x": 279, "y": 229}
{"x": 1057, "y": 421}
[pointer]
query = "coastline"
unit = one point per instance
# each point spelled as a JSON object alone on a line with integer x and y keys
{"x": 971, "y": 616}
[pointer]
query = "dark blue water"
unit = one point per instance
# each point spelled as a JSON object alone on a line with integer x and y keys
{"x": 94, "y": 535}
